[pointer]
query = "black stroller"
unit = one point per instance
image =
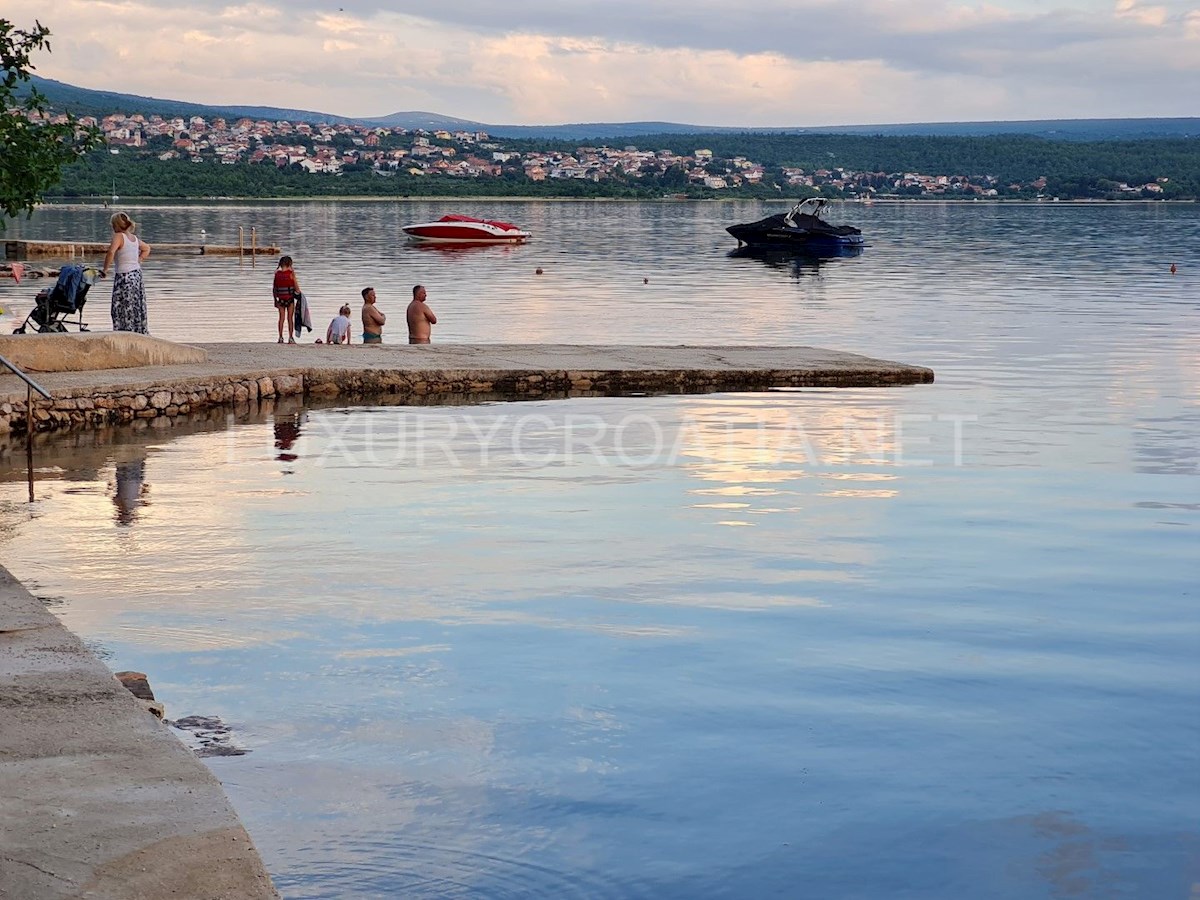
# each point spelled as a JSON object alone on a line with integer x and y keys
{"x": 56, "y": 304}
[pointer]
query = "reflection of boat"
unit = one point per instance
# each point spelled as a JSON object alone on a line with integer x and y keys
{"x": 800, "y": 226}
{"x": 461, "y": 248}
{"x": 799, "y": 260}
{"x": 467, "y": 230}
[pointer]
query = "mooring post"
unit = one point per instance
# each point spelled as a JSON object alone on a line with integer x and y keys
{"x": 253, "y": 243}
{"x": 241, "y": 240}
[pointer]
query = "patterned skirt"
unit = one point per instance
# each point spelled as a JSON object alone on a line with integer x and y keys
{"x": 129, "y": 303}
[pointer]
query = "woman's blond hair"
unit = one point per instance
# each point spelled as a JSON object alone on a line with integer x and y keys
{"x": 122, "y": 222}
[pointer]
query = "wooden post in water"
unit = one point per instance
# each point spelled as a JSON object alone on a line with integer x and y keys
{"x": 241, "y": 241}
{"x": 253, "y": 244}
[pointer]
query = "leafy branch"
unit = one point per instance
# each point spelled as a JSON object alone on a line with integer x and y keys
{"x": 34, "y": 145}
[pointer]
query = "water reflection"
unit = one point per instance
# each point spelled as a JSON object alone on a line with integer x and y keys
{"x": 287, "y": 432}
{"x": 131, "y": 489}
{"x": 462, "y": 249}
{"x": 800, "y": 263}
{"x": 568, "y": 643}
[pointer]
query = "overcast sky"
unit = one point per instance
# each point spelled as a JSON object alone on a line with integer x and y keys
{"x": 770, "y": 62}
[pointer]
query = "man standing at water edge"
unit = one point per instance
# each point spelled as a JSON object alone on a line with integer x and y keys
{"x": 372, "y": 318}
{"x": 420, "y": 318}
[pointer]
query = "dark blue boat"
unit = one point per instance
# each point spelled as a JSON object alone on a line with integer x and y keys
{"x": 802, "y": 226}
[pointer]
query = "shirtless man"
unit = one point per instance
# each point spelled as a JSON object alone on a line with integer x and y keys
{"x": 372, "y": 318}
{"x": 420, "y": 318}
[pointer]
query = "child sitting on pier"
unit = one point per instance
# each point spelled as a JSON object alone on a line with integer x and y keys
{"x": 339, "y": 329}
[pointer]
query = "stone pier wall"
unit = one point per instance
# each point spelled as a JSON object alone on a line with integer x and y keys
{"x": 95, "y": 409}
{"x": 99, "y": 406}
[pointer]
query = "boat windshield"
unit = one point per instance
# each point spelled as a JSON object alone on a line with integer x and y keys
{"x": 504, "y": 226}
{"x": 809, "y": 207}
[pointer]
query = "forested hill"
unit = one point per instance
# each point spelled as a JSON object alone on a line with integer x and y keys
{"x": 84, "y": 101}
{"x": 264, "y": 152}
{"x": 788, "y": 165}
{"x": 1010, "y": 159}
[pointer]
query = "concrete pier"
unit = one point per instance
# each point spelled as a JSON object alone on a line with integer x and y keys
{"x": 23, "y": 249}
{"x": 99, "y": 799}
{"x": 237, "y": 373}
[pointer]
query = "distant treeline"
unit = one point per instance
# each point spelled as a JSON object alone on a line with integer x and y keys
{"x": 1072, "y": 170}
{"x": 148, "y": 176}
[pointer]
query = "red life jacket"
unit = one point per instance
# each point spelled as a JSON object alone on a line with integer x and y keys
{"x": 285, "y": 287}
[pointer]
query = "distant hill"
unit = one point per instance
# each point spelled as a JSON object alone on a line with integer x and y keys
{"x": 427, "y": 120}
{"x": 86, "y": 102}
{"x": 1051, "y": 129}
{"x": 83, "y": 101}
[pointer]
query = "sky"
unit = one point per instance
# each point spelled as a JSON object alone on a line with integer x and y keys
{"x": 700, "y": 62}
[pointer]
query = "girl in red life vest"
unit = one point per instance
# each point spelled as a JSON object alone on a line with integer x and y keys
{"x": 285, "y": 291}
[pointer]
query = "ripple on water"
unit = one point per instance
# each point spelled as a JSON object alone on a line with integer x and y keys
{"x": 382, "y": 866}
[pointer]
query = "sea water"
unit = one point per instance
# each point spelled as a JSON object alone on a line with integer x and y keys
{"x": 937, "y": 641}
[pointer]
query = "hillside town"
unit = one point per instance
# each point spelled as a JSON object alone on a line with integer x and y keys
{"x": 334, "y": 149}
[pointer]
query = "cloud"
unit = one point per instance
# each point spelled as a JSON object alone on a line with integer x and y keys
{"x": 552, "y": 79}
{"x": 800, "y": 62}
{"x": 1155, "y": 16}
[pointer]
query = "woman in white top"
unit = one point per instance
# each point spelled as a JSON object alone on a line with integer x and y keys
{"x": 129, "y": 293}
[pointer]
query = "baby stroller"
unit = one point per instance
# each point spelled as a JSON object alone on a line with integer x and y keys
{"x": 66, "y": 298}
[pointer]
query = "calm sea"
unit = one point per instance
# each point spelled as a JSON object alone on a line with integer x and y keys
{"x": 928, "y": 642}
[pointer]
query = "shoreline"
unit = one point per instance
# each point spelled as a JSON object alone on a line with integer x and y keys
{"x": 107, "y": 802}
{"x": 337, "y": 198}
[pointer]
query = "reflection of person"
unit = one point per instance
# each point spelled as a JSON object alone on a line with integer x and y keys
{"x": 338, "y": 331}
{"x": 285, "y": 290}
{"x": 131, "y": 488}
{"x": 372, "y": 318}
{"x": 420, "y": 318}
{"x": 129, "y": 291}
{"x": 287, "y": 431}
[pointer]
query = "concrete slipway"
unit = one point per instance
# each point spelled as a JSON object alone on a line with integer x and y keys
{"x": 97, "y": 798}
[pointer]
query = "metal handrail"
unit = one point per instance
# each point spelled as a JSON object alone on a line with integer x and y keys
{"x": 30, "y": 387}
{"x": 25, "y": 378}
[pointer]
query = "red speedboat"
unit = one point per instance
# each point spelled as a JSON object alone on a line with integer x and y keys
{"x": 467, "y": 230}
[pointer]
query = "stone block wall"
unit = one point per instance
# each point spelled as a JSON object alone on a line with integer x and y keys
{"x": 115, "y": 404}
